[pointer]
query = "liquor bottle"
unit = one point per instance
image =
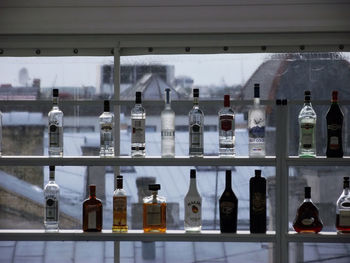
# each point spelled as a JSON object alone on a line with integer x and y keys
{"x": 55, "y": 118}
{"x": 334, "y": 118}
{"x": 168, "y": 128}
{"x": 0, "y": 133}
{"x": 154, "y": 211}
{"x": 120, "y": 207}
{"x": 92, "y": 212}
{"x": 193, "y": 206}
{"x": 51, "y": 194}
{"x": 138, "y": 119}
{"x": 257, "y": 192}
{"x": 307, "y": 124}
{"x": 196, "y": 123}
{"x": 226, "y": 129}
{"x": 343, "y": 209}
{"x": 228, "y": 205}
{"x": 106, "y": 121}
{"x": 256, "y": 126}
{"x": 307, "y": 219}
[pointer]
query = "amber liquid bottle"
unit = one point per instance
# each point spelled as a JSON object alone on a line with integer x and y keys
{"x": 343, "y": 209}
{"x": 92, "y": 212}
{"x": 119, "y": 207}
{"x": 257, "y": 191}
{"x": 307, "y": 219}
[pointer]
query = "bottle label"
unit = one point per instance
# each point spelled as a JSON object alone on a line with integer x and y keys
{"x": 167, "y": 134}
{"x": 119, "y": 210}
{"x": 334, "y": 127}
{"x": 334, "y": 143}
{"x": 92, "y": 219}
{"x": 307, "y": 221}
{"x": 307, "y": 133}
{"x": 138, "y": 131}
{"x": 256, "y": 124}
{"x": 153, "y": 215}
{"x": 193, "y": 212}
{"x": 54, "y": 135}
{"x": 227, "y": 208}
{"x": 226, "y": 123}
{"x": 196, "y": 135}
{"x": 51, "y": 209}
{"x": 258, "y": 202}
{"x": 344, "y": 218}
{"x": 106, "y": 133}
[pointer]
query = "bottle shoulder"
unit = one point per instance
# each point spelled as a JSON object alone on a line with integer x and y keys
{"x": 119, "y": 192}
{"x": 138, "y": 109}
{"x": 226, "y": 111}
{"x": 51, "y": 186}
{"x": 228, "y": 195}
{"x": 92, "y": 201}
{"x": 307, "y": 112}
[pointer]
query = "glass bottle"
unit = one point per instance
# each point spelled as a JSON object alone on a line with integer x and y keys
{"x": 106, "y": 121}
{"x": 138, "y": 119}
{"x": 168, "y": 128}
{"x": 334, "y": 119}
{"x": 51, "y": 195}
{"x": 0, "y": 133}
{"x": 307, "y": 219}
{"x": 196, "y": 125}
{"x": 92, "y": 212}
{"x": 343, "y": 209}
{"x": 193, "y": 206}
{"x": 226, "y": 129}
{"x": 257, "y": 192}
{"x": 256, "y": 126}
{"x": 307, "y": 125}
{"x": 120, "y": 207}
{"x": 154, "y": 211}
{"x": 228, "y": 205}
{"x": 55, "y": 118}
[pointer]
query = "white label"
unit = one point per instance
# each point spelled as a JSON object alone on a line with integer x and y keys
{"x": 334, "y": 140}
{"x": 154, "y": 215}
{"x": 51, "y": 209}
{"x": 307, "y": 133}
{"x": 92, "y": 220}
{"x": 344, "y": 218}
{"x": 138, "y": 131}
{"x": 193, "y": 211}
{"x": 307, "y": 221}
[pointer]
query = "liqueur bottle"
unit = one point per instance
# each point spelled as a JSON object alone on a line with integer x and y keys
{"x": 343, "y": 209}
{"x": 257, "y": 192}
{"x": 51, "y": 195}
{"x": 334, "y": 119}
{"x": 307, "y": 124}
{"x": 193, "y": 206}
{"x": 154, "y": 211}
{"x": 168, "y": 128}
{"x": 55, "y": 118}
{"x": 138, "y": 121}
{"x": 106, "y": 121}
{"x": 196, "y": 125}
{"x": 307, "y": 219}
{"x": 226, "y": 129}
{"x": 92, "y": 212}
{"x": 228, "y": 205}
{"x": 120, "y": 207}
{"x": 256, "y": 126}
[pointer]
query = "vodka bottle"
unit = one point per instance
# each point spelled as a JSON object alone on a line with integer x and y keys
{"x": 343, "y": 209}
{"x": 51, "y": 195}
{"x": 307, "y": 125}
{"x": 55, "y": 118}
{"x": 138, "y": 119}
{"x": 256, "y": 126}
{"x": 168, "y": 128}
{"x": 106, "y": 131}
{"x": 193, "y": 206}
{"x": 196, "y": 125}
{"x": 119, "y": 207}
{"x": 226, "y": 129}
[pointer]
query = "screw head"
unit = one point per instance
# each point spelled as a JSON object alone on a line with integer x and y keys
{"x": 263, "y": 48}
{"x": 37, "y": 51}
{"x": 150, "y": 49}
{"x": 187, "y": 49}
{"x": 75, "y": 51}
{"x": 1, "y": 51}
{"x": 302, "y": 47}
{"x": 225, "y": 48}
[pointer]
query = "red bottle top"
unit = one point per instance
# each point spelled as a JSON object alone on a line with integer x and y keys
{"x": 334, "y": 96}
{"x": 92, "y": 191}
{"x": 227, "y": 101}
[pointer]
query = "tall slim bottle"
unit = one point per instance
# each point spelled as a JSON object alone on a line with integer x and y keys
{"x": 196, "y": 127}
{"x": 0, "y": 133}
{"x": 55, "y": 118}
{"x": 138, "y": 122}
{"x": 334, "y": 119}
{"x": 168, "y": 128}
{"x": 343, "y": 209}
{"x": 106, "y": 121}
{"x": 92, "y": 212}
{"x": 257, "y": 190}
{"x": 120, "y": 207}
{"x": 226, "y": 129}
{"x": 51, "y": 195}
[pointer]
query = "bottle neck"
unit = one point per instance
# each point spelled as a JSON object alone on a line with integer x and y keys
{"x": 228, "y": 182}
{"x": 52, "y": 176}
{"x": 119, "y": 184}
{"x": 55, "y": 101}
{"x": 346, "y": 191}
{"x": 154, "y": 196}
{"x": 307, "y": 200}
{"x": 193, "y": 185}
{"x": 195, "y": 101}
{"x": 256, "y": 101}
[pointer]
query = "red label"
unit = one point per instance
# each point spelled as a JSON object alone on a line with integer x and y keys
{"x": 226, "y": 123}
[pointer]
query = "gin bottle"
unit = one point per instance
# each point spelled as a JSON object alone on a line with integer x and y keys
{"x": 226, "y": 129}
{"x": 196, "y": 123}
{"x": 119, "y": 207}
{"x": 138, "y": 119}
{"x": 51, "y": 195}
{"x": 55, "y": 118}
{"x": 343, "y": 209}
{"x": 256, "y": 126}
{"x": 307, "y": 125}
{"x": 106, "y": 131}
{"x": 168, "y": 128}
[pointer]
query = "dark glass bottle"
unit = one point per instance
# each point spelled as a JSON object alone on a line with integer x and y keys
{"x": 343, "y": 209}
{"x": 92, "y": 212}
{"x": 257, "y": 190}
{"x": 334, "y": 128}
{"x": 228, "y": 208}
{"x": 307, "y": 219}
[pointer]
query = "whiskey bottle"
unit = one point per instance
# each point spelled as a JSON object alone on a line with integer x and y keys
{"x": 120, "y": 207}
{"x": 343, "y": 209}
{"x": 307, "y": 219}
{"x": 154, "y": 211}
{"x": 51, "y": 195}
{"x": 106, "y": 121}
{"x": 138, "y": 119}
{"x": 167, "y": 118}
{"x": 55, "y": 118}
{"x": 92, "y": 212}
{"x": 257, "y": 192}
{"x": 228, "y": 205}
{"x": 196, "y": 126}
{"x": 226, "y": 129}
{"x": 193, "y": 206}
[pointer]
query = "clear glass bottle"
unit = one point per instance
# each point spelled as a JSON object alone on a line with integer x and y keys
{"x": 168, "y": 128}
{"x": 154, "y": 211}
{"x": 55, "y": 118}
{"x": 226, "y": 129}
{"x": 196, "y": 127}
{"x": 343, "y": 209}
{"x": 106, "y": 121}
{"x": 307, "y": 128}
{"x": 51, "y": 195}
{"x": 120, "y": 207}
{"x": 92, "y": 212}
{"x": 138, "y": 122}
{"x": 256, "y": 126}
{"x": 193, "y": 206}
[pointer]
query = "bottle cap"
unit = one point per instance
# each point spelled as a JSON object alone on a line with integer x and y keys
{"x": 193, "y": 173}
{"x": 334, "y": 96}
{"x": 167, "y": 95}
{"x": 256, "y": 90}
{"x": 55, "y": 93}
{"x": 52, "y": 168}
{"x": 227, "y": 101}
{"x": 307, "y": 192}
{"x": 346, "y": 178}
{"x": 106, "y": 106}
{"x": 307, "y": 94}
{"x": 138, "y": 97}
{"x": 92, "y": 188}
{"x": 154, "y": 187}
{"x": 195, "y": 93}
{"x": 257, "y": 172}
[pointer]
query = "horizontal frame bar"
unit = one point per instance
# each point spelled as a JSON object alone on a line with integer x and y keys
{"x": 318, "y": 161}
{"x": 322, "y": 237}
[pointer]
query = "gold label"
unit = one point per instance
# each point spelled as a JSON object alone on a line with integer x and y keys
{"x": 119, "y": 210}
